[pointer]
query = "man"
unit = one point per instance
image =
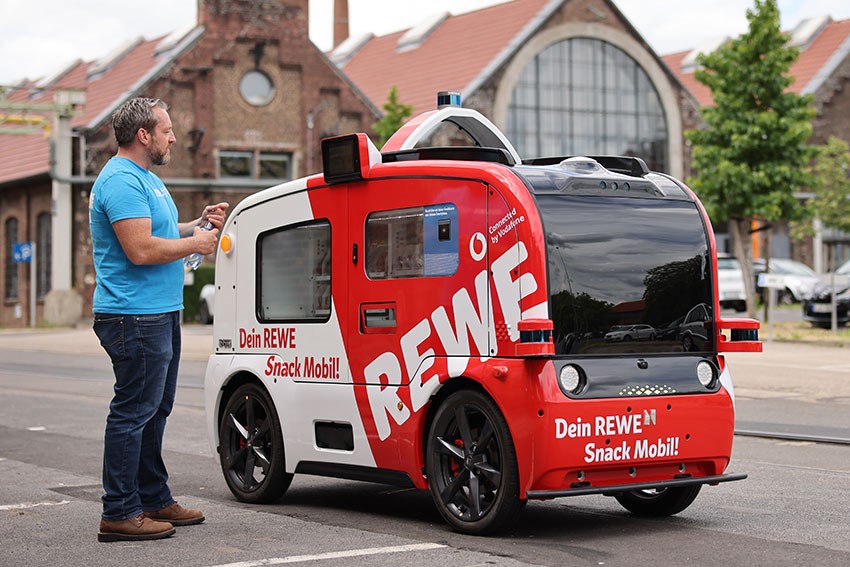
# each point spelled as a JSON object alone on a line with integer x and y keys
{"x": 138, "y": 247}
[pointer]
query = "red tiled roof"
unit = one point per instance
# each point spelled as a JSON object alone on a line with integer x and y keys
{"x": 25, "y": 156}
{"x": 455, "y": 53}
{"x": 811, "y": 61}
{"x": 816, "y": 56}
{"x": 698, "y": 90}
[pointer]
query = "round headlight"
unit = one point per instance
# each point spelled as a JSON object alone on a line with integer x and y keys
{"x": 705, "y": 373}
{"x": 570, "y": 379}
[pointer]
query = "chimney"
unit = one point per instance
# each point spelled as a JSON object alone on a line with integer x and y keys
{"x": 340, "y": 21}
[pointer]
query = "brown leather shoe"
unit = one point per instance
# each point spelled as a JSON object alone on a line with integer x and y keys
{"x": 133, "y": 529}
{"x": 177, "y": 515}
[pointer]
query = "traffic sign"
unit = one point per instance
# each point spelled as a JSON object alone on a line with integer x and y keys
{"x": 22, "y": 252}
{"x": 773, "y": 281}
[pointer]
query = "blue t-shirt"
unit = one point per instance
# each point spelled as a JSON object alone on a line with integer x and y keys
{"x": 123, "y": 190}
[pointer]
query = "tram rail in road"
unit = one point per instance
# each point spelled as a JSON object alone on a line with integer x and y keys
{"x": 792, "y": 436}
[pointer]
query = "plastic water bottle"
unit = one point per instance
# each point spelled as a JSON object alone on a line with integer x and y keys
{"x": 193, "y": 260}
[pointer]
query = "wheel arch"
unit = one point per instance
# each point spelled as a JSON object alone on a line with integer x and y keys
{"x": 238, "y": 379}
{"x": 446, "y": 389}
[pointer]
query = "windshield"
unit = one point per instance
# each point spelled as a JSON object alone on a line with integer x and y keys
{"x": 627, "y": 275}
{"x": 792, "y": 268}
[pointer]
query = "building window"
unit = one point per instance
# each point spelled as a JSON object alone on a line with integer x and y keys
{"x": 294, "y": 265}
{"x": 43, "y": 254}
{"x": 236, "y": 164}
{"x": 413, "y": 242}
{"x": 255, "y": 165}
{"x": 585, "y": 96}
{"x": 275, "y": 166}
{"x": 11, "y": 275}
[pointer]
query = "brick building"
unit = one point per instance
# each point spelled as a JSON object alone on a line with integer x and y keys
{"x": 251, "y": 98}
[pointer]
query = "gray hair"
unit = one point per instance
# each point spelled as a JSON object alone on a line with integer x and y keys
{"x": 134, "y": 114}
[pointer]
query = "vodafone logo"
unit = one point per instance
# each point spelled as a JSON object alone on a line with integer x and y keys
{"x": 477, "y": 246}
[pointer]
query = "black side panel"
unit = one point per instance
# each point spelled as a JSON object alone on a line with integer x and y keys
{"x": 355, "y": 472}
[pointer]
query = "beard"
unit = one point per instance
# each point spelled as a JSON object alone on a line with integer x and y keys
{"x": 159, "y": 157}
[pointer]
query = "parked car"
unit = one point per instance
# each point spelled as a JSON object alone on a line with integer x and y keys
{"x": 630, "y": 333}
{"x": 206, "y": 304}
{"x": 817, "y": 310}
{"x": 800, "y": 280}
{"x": 730, "y": 283}
{"x": 695, "y": 330}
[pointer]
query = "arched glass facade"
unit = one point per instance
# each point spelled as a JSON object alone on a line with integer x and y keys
{"x": 585, "y": 96}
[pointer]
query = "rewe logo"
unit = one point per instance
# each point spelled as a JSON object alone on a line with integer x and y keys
{"x": 473, "y": 316}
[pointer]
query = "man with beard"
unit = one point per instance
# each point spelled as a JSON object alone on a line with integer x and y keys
{"x": 138, "y": 249}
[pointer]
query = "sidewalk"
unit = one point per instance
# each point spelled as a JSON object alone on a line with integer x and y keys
{"x": 197, "y": 341}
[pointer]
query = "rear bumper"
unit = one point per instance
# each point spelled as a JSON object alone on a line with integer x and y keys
{"x": 616, "y": 445}
{"x": 580, "y": 490}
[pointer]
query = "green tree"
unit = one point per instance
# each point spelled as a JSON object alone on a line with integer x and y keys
{"x": 395, "y": 115}
{"x": 831, "y": 201}
{"x": 751, "y": 156}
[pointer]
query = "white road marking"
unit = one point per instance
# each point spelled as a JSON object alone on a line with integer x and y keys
{"x": 335, "y": 555}
{"x": 27, "y": 505}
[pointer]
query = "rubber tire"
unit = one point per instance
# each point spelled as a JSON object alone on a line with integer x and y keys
{"x": 275, "y": 480}
{"x": 204, "y": 313}
{"x": 504, "y": 506}
{"x": 666, "y": 502}
{"x": 785, "y": 297}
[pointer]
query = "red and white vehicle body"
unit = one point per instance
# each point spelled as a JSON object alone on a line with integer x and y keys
{"x": 435, "y": 317}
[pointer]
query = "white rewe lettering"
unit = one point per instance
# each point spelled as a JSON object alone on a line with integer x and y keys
{"x": 455, "y": 336}
{"x": 417, "y": 363}
{"x": 511, "y": 291}
{"x": 384, "y": 400}
{"x": 472, "y": 317}
{"x": 618, "y": 424}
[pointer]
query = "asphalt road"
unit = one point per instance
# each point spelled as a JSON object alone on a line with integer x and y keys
{"x": 790, "y": 511}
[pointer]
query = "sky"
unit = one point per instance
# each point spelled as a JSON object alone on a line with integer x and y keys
{"x": 38, "y": 38}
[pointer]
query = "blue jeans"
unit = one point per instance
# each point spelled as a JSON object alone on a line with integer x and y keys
{"x": 145, "y": 353}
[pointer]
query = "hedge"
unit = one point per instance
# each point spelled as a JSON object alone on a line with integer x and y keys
{"x": 203, "y": 275}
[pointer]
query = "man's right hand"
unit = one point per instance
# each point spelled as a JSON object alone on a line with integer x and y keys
{"x": 205, "y": 240}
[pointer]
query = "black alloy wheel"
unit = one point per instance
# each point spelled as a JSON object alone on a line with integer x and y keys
{"x": 471, "y": 465}
{"x": 251, "y": 446}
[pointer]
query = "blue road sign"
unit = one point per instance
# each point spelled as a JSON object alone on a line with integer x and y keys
{"x": 22, "y": 252}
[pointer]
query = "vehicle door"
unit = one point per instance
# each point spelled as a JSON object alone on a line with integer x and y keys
{"x": 419, "y": 292}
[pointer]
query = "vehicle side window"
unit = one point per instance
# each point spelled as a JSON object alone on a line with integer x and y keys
{"x": 412, "y": 242}
{"x": 294, "y": 273}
